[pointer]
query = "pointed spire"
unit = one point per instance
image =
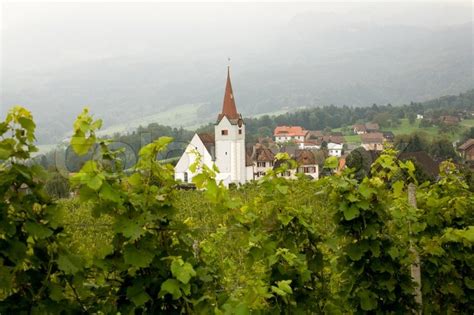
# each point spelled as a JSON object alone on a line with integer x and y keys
{"x": 228, "y": 107}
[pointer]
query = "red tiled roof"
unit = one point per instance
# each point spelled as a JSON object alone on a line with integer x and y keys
{"x": 228, "y": 106}
{"x": 291, "y": 131}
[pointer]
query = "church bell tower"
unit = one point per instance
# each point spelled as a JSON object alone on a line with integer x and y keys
{"x": 230, "y": 139}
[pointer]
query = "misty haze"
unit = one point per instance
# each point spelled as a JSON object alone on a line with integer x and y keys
{"x": 129, "y": 61}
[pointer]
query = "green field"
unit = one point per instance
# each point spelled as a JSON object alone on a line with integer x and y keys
{"x": 406, "y": 128}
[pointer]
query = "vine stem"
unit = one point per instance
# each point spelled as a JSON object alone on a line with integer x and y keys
{"x": 84, "y": 308}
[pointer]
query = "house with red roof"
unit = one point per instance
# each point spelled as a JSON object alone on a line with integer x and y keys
{"x": 289, "y": 133}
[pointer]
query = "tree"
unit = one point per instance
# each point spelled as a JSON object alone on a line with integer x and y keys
{"x": 359, "y": 160}
{"x": 383, "y": 119}
{"x": 264, "y": 132}
{"x": 443, "y": 149}
{"x": 468, "y": 134}
{"x": 411, "y": 118}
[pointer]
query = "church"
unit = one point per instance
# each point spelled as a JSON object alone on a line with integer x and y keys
{"x": 225, "y": 149}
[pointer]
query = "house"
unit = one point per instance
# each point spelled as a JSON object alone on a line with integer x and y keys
{"x": 289, "y": 133}
{"x": 449, "y": 120}
{"x": 359, "y": 129}
{"x": 334, "y": 144}
{"x": 372, "y": 141}
{"x": 467, "y": 150}
{"x": 263, "y": 159}
{"x": 225, "y": 149}
{"x": 310, "y": 145}
{"x": 307, "y": 163}
{"x": 419, "y": 116}
{"x": 335, "y": 149}
{"x": 372, "y": 127}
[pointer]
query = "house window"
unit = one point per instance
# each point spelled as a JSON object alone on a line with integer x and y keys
{"x": 260, "y": 164}
{"x": 224, "y": 132}
{"x": 240, "y": 131}
{"x": 185, "y": 177}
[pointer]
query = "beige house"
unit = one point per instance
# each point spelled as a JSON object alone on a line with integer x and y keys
{"x": 372, "y": 141}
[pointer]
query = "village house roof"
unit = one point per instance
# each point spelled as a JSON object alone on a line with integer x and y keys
{"x": 315, "y": 134}
{"x": 290, "y": 149}
{"x": 423, "y": 160}
{"x": 372, "y": 126}
{"x": 229, "y": 109}
{"x": 374, "y": 137}
{"x": 305, "y": 157}
{"x": 264, "y": 155}
{"x": 359, "y": 127}
{"x": 334, "y": 146}
{"x": 209, "y": 142}
{"x": 466, "y": 145}
{"x": 334, "y": 139}
{"x": 291, "y": 131}
{"x": 448, "y": 119}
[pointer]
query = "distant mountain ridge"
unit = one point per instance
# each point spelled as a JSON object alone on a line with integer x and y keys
{"x": 355, "y": 66}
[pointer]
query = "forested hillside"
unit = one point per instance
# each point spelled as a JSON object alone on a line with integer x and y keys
{"x": 319, "y": 118}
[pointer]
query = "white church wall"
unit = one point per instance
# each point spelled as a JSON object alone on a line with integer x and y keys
{"x": 189, "y": 157}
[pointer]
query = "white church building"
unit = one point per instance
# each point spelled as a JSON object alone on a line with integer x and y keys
{"x": 225, "y": 149}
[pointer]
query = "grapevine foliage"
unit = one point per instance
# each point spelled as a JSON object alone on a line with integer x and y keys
{"x": 31, "y": 258}
{"x": 132, "y": 243}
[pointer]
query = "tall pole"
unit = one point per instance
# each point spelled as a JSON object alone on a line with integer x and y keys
{"x": 415, "y": 266}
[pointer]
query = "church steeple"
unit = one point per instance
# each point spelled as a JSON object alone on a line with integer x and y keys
{"x": 228, "y": 107}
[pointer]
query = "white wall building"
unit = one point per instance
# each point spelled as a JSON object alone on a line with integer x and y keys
{"x": 289, "y": 133}
{"x": 335, "y": 149}
{"x": 226, "y": 149}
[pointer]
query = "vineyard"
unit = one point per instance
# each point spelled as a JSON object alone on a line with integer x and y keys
{"x": 131, "y": 242}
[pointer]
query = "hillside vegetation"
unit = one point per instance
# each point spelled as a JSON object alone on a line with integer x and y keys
{"x": 132, "y": 243}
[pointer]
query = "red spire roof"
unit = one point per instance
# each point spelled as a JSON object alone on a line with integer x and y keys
{"x": 228, "y": 107}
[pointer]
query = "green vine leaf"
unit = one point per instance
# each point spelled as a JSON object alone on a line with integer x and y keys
{"x": 140, "y": 258}
{"x": 170, "y": 286}
{"x": 183, "y": 271}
